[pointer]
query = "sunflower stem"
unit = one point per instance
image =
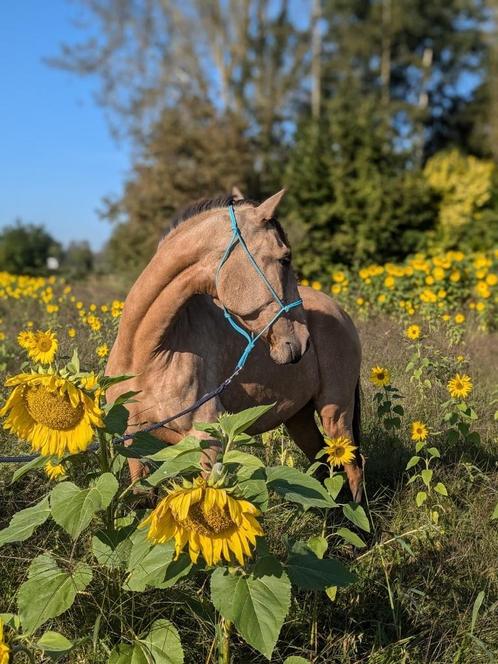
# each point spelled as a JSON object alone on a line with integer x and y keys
{"x": 224, "y": 631}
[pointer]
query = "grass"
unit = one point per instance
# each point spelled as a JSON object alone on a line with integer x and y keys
{"x": 417, "y": 583}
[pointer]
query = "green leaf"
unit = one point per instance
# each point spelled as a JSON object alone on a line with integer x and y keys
{"x": 107, "y": 381}
{"x": 334, "y": 484}
{"x": 144, "y": 445}
{"x": 427, "y": 474}
{"x": 252, "y": 484}
{"x": 318, "y": 545}
{"x": 296, "y": 659}
{"x": 434, "y": 452}
{"x": 127, "y": 654}
{"x": 297, "y": 487}
{"x": 257, "y": 603}
{"x": 23, "y": 524}
{"x": 37, "y": 462}
{"x": 310, "y": 573}
{"x": 234, "y": 457}
{"x": 54, "y": 642}
{"x": 495, "y": 513}
{"x": 73, "y": 508}
{"x": 419, "y": 446}
{"x": 187, "y": 445}
{"x": 412, "y": 462}
{"x": 49, "y": 590}
{"x": 475, "y": 610}
{"x": 116, "y": 420}
{"x": 163, "y": 643}
{"x": 351, "y": 537}
{"x": 240, "y": 422}
{"x": 441, "y": 489}
{"x": 113, "y": 549}
{"x": 420, "y": 498}
{"x": 148, "y": 562}
{"x": 356, "y": 514}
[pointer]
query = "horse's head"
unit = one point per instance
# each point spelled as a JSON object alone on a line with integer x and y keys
{"x": 242, "y": 289}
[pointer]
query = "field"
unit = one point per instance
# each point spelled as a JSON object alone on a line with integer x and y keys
{"x": 426, "y": 587}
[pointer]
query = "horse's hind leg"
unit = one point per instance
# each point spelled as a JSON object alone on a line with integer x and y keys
{"x": 339, "y": 420}
{"x": 305, "y": 432}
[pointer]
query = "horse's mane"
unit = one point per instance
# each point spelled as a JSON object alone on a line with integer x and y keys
{"x": 223, "y": 201}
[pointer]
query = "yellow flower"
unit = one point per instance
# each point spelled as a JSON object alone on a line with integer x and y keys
{"x": 51, "y": 413}
{"x": 4, "y": 648}
{"x": 492, "y": 279}
{"x": 339, "y": 450}
{"x": 455, "y": 276}
{"x": 360, "y": 301}
{"x": 103, "y": 350}
{"x": 389, "y": 282}
{"x": 419, "y": 431}
{"x": 459, "y": 319}
{"x": 54, "y": 470}
{"x": 335, "y": 289}
{"x": 339, "y": 277}
{"x": 25, "y": 339}
{"x": 71, "y": 333}
{"x": 43, "y": 347}
{"x": 304, "y": 282}
{"x": 413, "y": 332}
{"x": 380, "y": 376}
{"x": 316, "y": 285}
{"x": 209, "y": 519}
{"x": 460, "y": 359}
{"x": 460, "y": 386}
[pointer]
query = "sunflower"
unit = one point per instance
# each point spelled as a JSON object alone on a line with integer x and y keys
{"x": 54, "y": 470}
{"x": 459, "y": 319}
{"x": 380, "y": 376}
{"x": 209, "y": 519}
{"x": 419, "y": 431}
{"x": 25, "y": 339}
{"x": 340, "y": 450}
{"x": 51, "y": 413}
{"x": 43, "y": 347}
{"x": 413, "y": 332}
{"x": 460, "y": 386}
{"x": 103, "y": 350}
{"x": 4, "y": 648}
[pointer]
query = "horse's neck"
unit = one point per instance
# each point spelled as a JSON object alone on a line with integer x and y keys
{"x": 172, "y": 277}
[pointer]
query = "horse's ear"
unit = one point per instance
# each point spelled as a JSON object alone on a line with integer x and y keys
{"x": 267, "y": 208}
{"x": 237, "y": 195}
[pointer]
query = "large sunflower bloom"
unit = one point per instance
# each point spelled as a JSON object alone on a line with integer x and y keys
{"x": 25, "y": 339}
{"x": 339, "y": 450}
{"x": 380, "y": 376}
{"x": 4, "y": 648}
{"x": 209, "y": 519}
{"x": 460, "y": 386}
{"x": 43, "y": 347}
{"x": 51, "y": 413}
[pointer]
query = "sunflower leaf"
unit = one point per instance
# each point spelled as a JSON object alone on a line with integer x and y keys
{"x": 311, "y": 573}
{"x": 23, "y": 524}
{"x": 237, "y": 423}
{"x": 257, "y": 603}
{"x": 37, "y": 462}
{"x": 297, "y": 487}
{"x": 49, "y": 590}
{"x": 73, "y": 508}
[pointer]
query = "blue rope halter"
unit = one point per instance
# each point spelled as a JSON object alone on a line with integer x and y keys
{"x": 284, "y": 308}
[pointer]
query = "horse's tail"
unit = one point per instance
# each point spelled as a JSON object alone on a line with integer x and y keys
{"x": 357, "y": 421}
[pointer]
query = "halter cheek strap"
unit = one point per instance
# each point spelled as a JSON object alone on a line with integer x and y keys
{"x": 283, "y": 308}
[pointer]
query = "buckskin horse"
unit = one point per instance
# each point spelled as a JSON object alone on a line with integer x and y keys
{"x": 174, "y": 338}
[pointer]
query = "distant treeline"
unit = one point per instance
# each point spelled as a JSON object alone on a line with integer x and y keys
{"x": 380, "y": 116}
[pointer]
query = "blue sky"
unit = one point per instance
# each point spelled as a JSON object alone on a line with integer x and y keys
{"x": 57, "y": 159}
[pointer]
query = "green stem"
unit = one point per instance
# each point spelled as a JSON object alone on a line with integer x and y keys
{"x": 224, "y": 630}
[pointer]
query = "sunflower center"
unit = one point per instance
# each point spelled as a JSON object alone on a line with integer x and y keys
{"x": 339, "y": 451}
{"x": 52, "y": 409}
{"x": 380, "y": 375}
{"x": 215, "y": 522}
{"x": 44, "y": 344}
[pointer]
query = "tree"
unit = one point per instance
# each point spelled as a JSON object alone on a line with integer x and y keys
{"x": 352, "y": 197}
{"x": 78, "y": 260}
{"x": 193, "y": 152}
{"x": 25, "y": 248}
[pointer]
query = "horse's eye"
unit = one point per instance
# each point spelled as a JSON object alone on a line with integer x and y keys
{"x": 285, "y": 260}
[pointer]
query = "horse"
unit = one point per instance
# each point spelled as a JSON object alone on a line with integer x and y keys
{"x": 173, "y": 336}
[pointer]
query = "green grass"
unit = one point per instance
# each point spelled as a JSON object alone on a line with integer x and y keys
{"x": 417, "y": 583}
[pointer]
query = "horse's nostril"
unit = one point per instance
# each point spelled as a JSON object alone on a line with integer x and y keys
{"x": 295, "y": 356}
{"x": 308, "y": 342}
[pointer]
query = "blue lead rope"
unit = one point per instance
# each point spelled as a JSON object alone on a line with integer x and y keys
{"x": 284, "y": 308}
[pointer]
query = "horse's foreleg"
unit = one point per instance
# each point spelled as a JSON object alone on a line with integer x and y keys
{"x": 338, "y": 421}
